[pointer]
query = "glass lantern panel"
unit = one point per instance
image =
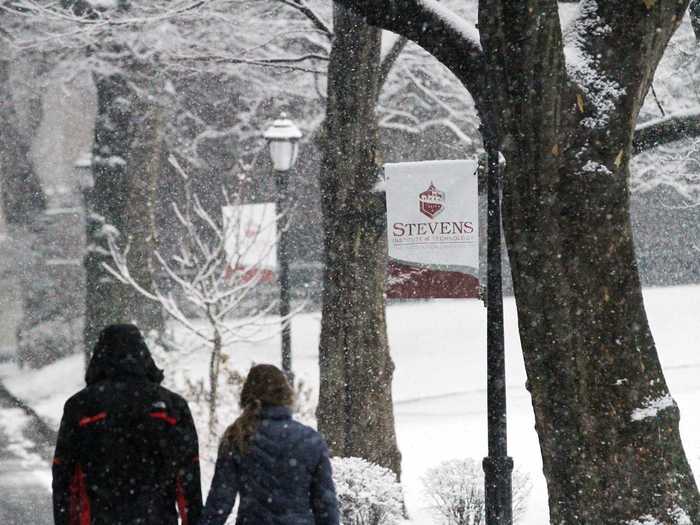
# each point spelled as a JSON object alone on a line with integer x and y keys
{"x": 283, "y": 154}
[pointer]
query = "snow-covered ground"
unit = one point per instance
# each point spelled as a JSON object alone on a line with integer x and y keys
{"x": 30, "y": 467}
{"x": 440, "y": 382}
{"x": 25, "y": 479}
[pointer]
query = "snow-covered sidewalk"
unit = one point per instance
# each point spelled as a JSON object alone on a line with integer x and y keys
{"x": 440, "y": 382}
{"x": 24, "y": 469}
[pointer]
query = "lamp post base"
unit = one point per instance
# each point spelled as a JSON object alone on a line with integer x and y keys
{"x": 498, "y": 472}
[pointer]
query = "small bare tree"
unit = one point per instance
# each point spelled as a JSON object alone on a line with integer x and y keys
{"x": 214, "y": 274}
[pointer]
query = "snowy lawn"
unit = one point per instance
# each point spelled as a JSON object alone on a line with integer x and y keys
{"x": 440, "y": 382}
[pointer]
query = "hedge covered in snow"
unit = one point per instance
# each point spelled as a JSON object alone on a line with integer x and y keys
{"x": 367, "y": 493}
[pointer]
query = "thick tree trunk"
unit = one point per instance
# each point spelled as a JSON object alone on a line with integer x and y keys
{"x": 126, "y": 164}
{"x": 106, "y": 299}
{"x": 355, "y": 411}
{"x": 607, "y": 424}
{"x": 23, "y": 203}
{"x": 144, "y": 164}
{"x": 22, "y": 195}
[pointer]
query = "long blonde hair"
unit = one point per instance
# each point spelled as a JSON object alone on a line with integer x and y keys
{"x": 265, "y": 385}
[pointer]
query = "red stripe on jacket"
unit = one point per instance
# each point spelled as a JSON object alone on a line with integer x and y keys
{"x": 92, "y": 419}
{"x": 164, "y": 416}
{"x": 79, "y": 512}
{"x": 181, "y": 502}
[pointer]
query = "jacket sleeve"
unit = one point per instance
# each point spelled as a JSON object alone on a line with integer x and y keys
{"x": 189, "y": 487}
{"x": 324, "y": 501}
{"x": 63, "y": 469}
{"x": 222, "y": 493}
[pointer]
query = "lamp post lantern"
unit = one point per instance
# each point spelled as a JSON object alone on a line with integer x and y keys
{"x": 283, "y": 140}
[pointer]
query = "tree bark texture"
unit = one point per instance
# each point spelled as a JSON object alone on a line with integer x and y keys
{"x": 144, "y": 164}
{"x": 23, "y": 204}
{"x": 23, "y": 198}
{"x": 607, "y": 424}
{"x": 666, "y": 130}
{"x": 355, "y": 410}
{"x": 125, "y": 164}
{"x": 214, "y": 370}
{"x": 22, "y": 195}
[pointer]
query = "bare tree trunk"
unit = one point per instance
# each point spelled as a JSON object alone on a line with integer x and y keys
{"x": 106, "y": 299}
{"x": 126, "y": 164}
{"x": 214, "y": 368}
{"x": 22, "y": 195}
{"x": 355, "y": 411}
{"x": 23, "y": 202}
{"x": 144, "y": 165}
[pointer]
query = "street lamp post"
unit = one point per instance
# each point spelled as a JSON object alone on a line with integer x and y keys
{"x": 498, "y": 466}
{"x": 283, "y": 140}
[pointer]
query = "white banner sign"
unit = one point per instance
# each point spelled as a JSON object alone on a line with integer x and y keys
{"x": 251, "y": 240}
{"x": 433, "y": 229}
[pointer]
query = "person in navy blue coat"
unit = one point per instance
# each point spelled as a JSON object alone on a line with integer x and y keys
{"x": 279, "y": 468}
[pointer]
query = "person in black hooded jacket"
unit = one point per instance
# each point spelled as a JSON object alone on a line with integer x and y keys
{"x": 127, "y": 449}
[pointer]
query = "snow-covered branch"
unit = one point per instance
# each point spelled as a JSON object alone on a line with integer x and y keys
{"x": 667, "y": 129}
{"x": 284, "y": 63}
{"x": 639, "y": 32}
{"x": 392, "y": 46}
{"x": 219, "y": 266}
{"x": 389, "y": 121}
{"x": 438, "y": 30}
{"x": 211, "y": 285}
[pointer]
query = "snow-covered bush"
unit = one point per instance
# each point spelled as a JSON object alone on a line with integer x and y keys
{"x": 456, "y": 488}
{"x": 367, "y": 493}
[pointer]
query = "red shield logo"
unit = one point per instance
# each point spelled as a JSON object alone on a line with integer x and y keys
{"x": 431, "y": 201}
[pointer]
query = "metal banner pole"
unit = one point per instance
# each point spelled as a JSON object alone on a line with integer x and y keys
{"x": 498, "y": 467}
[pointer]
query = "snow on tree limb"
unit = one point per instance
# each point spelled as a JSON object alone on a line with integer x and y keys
{"x": 600, "y": 91}
{"x": 392, "y": 47}
{"x": 667, "y": 129}
{"x": 444, "y": 34}
{"x": 639, "y": 33}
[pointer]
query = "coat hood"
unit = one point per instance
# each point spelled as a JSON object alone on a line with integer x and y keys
{"x": 121, "y": 352}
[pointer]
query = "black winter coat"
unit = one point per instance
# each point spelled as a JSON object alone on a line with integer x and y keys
{"x": 127, "y": 450}
{"x": 284, "y": 478}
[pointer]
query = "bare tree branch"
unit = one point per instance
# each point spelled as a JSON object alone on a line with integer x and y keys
{"x": 260, "y": 61}
{"x": 390, "y": 57}
{"x": 306, "y": 10}
{"x": 279, "y": 63}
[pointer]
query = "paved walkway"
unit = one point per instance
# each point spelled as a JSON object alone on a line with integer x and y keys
{"x": 25, "y": 497}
